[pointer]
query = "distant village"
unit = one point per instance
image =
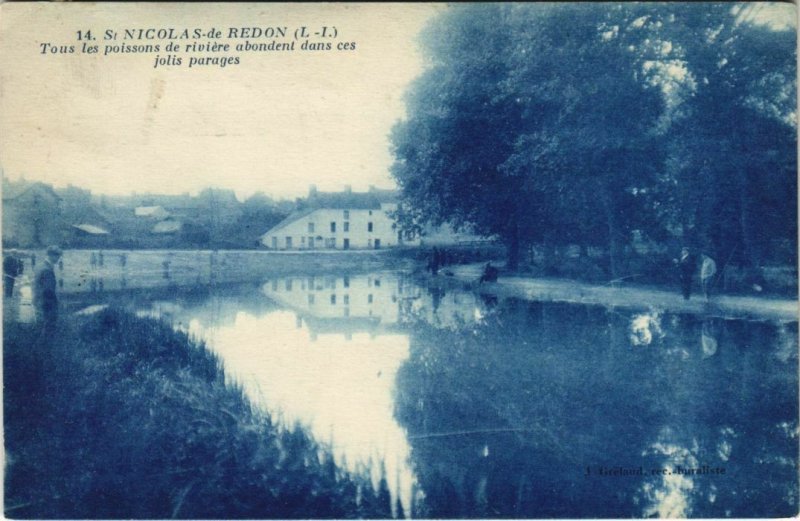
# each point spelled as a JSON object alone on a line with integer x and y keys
{"x": 36, "y": 214}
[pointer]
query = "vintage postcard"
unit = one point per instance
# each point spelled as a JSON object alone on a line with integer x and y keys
{"x": 518, "y": 260}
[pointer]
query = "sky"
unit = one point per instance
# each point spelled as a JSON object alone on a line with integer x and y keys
{"x": 276, "y": 122}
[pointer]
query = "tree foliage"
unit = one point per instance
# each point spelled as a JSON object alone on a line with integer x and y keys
{"x": 580, "y": 123}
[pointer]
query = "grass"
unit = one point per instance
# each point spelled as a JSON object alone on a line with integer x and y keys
{"x": 115, "y": 416}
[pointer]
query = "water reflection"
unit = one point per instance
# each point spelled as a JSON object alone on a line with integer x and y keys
{"x": 524, "y": 413}
{"x": 339, "y": 386}
{"x": 669, "y": 495}
{"x": 471, "y": 405}
{"x": 645, "y": 327}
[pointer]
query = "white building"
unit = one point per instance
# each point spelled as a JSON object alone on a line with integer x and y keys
{"x": 340, "y": 221}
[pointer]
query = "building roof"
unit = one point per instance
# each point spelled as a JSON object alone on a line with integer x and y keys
{"x": 90, "y": 229}
{"x": 292, "y": 217}
{"x": 346, "y": 200}
{"x": 371, "y": 200}
{"x": 151, "y": 211}
{"x": 167, "y": 226}
{"x": 83, "y": 214}
{"x": 14, "y": 190}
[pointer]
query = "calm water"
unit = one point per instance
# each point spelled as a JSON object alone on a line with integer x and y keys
{"x": 474, "y": 407}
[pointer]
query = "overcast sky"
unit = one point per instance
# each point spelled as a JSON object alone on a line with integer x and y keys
{"x": 276, "y": 122}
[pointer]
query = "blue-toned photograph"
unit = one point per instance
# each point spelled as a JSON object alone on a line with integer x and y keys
{"x": 333, "y": 261}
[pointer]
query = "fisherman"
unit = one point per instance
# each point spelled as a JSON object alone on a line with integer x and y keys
{"x": 433, "y": 263}
{"x": 12, "y": 268}
{"x": 489, "y": 273}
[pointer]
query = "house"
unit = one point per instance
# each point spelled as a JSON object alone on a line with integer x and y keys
{"x": 31, "y": 214}
{"x": 340, "y": 221}
{"x": 85, "y": 226}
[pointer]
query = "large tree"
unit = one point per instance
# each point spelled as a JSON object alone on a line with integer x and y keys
{"x": 530, "y": 122}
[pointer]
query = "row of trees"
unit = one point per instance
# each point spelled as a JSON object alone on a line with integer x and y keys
{"x": 561, "y": 124}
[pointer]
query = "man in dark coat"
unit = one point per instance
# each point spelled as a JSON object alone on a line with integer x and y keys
{"x": 12, "y": 268}
{"x": 45, "y": 300}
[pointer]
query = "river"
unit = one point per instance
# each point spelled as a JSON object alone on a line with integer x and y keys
{"x": 471, "y": 405}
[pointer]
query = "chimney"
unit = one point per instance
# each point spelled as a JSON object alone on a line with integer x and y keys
{"x": 348, "y": 189}
{"x": 312, "y": 190}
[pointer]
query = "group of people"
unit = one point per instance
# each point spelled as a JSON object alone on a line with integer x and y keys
{"x": 688, "y": 264}
{"x": 45, "y": 299}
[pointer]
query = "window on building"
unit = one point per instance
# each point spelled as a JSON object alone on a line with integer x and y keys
{"x": 333, "y": 227}
{"x": 303, "y": 240}
{"x": 311, "y": 241}
{"x": 346, "y": 281}
{"x": 346, "y": 300}
{"x": 346, "y": 226}
{"x": 288, "y": 242}
{"x": 377, "y": 283}
{"x": 369, "y": 226}
{"x": 333, "y": 299}
{"x": 310, "y": 227}
{"x": 288, "y": 284}
{"x": 347, "y": 214}
{"x": 330, "y": 242}
{"x": 310, "y": 299}
{"x": 369, "y": 243}
{"x": 369, "y": 298}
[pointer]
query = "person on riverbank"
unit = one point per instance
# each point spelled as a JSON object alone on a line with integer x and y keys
{"x": 489, "y": 274}
{"x": 12, "y": 268}
{"x": 686, "y": 267}
{"x": 45, "y": 299}
{"x": 708, "y": 268}
{"x": 435, "y": 261}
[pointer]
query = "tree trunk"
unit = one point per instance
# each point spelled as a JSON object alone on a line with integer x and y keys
{"x": 613, "y": 241}
{"x": 512, "y": 262}
{"x": 751, "y": 248}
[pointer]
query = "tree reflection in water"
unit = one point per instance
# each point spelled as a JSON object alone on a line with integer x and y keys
{"x": 505, "y": 415}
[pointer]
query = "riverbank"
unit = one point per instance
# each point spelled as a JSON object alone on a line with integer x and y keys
{"x": 628, "y": 296}
{"x": 115, "y": 416}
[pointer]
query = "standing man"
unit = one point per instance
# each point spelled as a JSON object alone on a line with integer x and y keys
{"x": 45, "y": 300}
{"x": 686, "y": 266}
{"x": 12, "y": 268}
